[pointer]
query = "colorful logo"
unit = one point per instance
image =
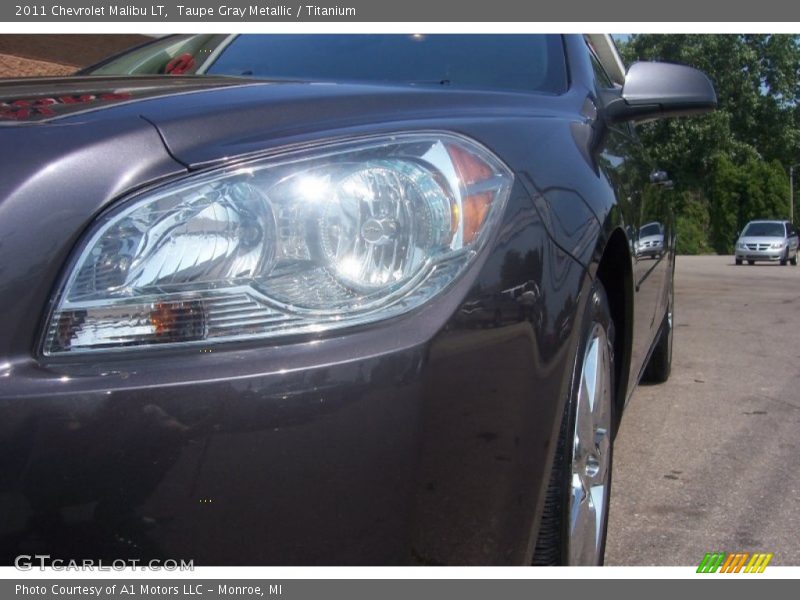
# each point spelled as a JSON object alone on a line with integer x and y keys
{"x": 735, "y": 562}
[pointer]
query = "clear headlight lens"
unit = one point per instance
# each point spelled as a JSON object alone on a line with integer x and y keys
{"x": 314, "y": 240}
{"x": 777, "y": 245}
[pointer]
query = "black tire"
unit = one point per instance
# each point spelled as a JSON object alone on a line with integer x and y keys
{"x": 751, "y": 262}
{"x": 659, "y": 366}
{"x": 738, "y": 261}
{"x": 793, "y": 260}
{"x": 552, "y": 544}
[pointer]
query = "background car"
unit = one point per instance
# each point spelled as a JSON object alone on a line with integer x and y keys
{"x": 767, "y": 241}
{"x": 238, "y": 320}
{"x": 651, "y": 240}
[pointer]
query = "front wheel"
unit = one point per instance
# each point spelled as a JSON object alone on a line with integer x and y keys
{"x": 738, "y": 261}
{"x": 575, "y": 519}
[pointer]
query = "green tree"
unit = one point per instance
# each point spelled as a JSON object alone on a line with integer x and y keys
{"x": 726, "y": 202}
{"x": 733, "y": 162}
{"x": 740, "y": 193}
{"x": 692, "y": 223}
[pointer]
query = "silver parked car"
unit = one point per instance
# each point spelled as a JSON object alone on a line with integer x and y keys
{"x": 651, "y": 241}
{"x": 767, "y": 240}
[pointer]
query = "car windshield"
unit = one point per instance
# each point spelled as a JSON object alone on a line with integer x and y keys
{"x": 499, "y": 62}
{"x": 764, "y": 230}
{"x": 648, "y": 230}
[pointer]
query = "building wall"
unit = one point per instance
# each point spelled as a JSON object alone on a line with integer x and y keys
{"x": 59, "y": 54}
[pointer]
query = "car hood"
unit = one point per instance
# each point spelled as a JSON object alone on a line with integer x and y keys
{"x": 204, "y": 119}
{"x": 761, "y": 240}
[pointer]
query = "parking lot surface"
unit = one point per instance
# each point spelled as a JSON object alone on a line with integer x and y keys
{"x": 709, "y": 461}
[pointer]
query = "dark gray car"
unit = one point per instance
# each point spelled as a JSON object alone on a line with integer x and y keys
{"x": 329, "y": 299}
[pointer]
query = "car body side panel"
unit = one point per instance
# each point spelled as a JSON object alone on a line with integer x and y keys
{"x": 624, "y": 200}
{"x": 626, "y": 167}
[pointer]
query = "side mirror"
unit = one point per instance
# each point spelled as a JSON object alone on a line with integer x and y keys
{"x": 654, "y": 90}
{"x": 659, "y": 177}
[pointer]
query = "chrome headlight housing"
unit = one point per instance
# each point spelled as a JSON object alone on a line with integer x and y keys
{"x": 306, "y": 241}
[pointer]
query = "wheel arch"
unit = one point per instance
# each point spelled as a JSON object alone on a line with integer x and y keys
{"x": 615, "y": 272}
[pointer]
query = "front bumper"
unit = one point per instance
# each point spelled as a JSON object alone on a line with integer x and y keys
{"x": 761, "y": 255}
{"x": 653, "y": 252}
{"x": 432, "y": 453}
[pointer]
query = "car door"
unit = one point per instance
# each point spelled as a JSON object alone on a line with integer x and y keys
{"x": 655, "y": 268}
{"x": 627, "y": 167}
{"x": 791, "y": 241}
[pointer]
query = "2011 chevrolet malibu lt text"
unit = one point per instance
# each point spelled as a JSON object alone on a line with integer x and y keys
{"x": 329, "y": 299}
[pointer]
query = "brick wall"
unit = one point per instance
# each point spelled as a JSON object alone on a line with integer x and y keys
{"x": 59, "y": 54}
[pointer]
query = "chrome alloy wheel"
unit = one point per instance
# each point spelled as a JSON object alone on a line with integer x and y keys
{"x": 591, "y": 454}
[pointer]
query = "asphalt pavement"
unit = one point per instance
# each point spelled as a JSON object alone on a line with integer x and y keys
{"x": 710, "y": 460}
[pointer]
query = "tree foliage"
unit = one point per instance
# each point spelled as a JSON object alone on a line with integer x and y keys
{"x": 692, "y": 223}
{"x": 731, "y": 165}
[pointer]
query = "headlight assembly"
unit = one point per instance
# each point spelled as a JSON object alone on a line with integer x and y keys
{"x": 331, "y": 237}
